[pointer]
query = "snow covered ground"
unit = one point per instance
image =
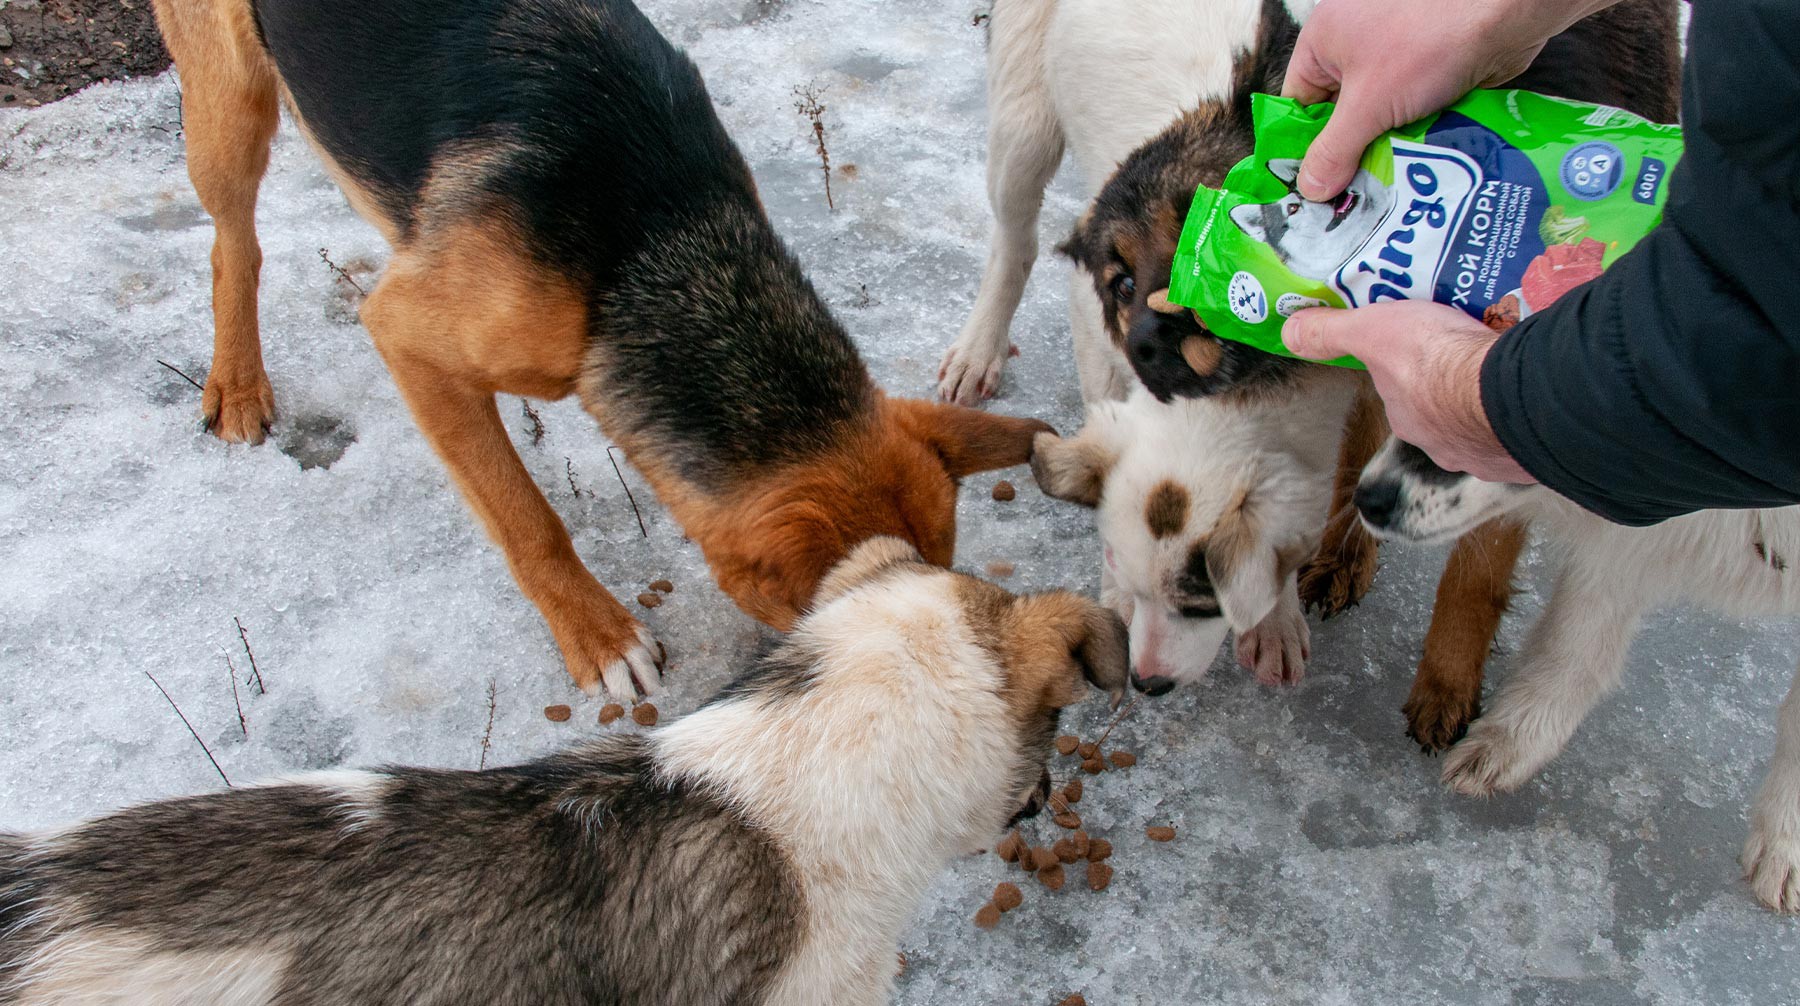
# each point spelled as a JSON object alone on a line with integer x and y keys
{"x": 1318, "y": 860}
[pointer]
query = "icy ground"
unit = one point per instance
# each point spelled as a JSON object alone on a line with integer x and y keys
{"x": 1318, "y": 860}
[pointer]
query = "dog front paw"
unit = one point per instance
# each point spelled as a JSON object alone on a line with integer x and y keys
{"x": 971, "y": 370}
{"x": 1335, "y": 580}
{"x": 1439, "y": 709}
{"x": 1489, "y": 760}
{"x": 238, "y": 411}
{"x": 1277, "y": 648}
{"x": 628, "y": 667}
{"x": 1772, "y": 866}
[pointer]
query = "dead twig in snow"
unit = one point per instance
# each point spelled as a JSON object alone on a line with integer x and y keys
{"x": 628, "y": 497}
{"x": 340, "y": 272}
{"x": 536, "y": 429}
{"x": 190, "y": 729}
{"x": 231, "y": 669}
{"x": 244, "y": 637}
{"x": 487, "y": 736}
{"x": 807, "y": 103}
{"x": 183, "y": 376}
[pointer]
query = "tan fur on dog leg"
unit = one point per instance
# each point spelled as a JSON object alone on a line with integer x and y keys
{"x": 1471, "y": 597}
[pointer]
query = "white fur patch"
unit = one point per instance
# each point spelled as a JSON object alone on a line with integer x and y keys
{"x": 98, "y": 968}
{"x": 833, "y": 772}
{"x": 359, "y": 794}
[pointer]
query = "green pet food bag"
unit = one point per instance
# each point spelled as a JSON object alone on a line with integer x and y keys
{"x": 1497, "y": 205}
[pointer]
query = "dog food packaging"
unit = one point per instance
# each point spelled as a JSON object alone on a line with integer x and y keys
{"x": 1498, "y": 205}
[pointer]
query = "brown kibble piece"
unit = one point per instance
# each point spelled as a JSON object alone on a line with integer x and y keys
{"x": 611, "y": 711}
{"x": 1160, "y": 833}
{"x": 1041, "y": 856}
{"x": 1010, "y": 847}
{"x": 1093, "y": 766}
{"x": 649, "y": 600}
{"x": 1068, "y": 819}
{"x": 557, "y": 714}
{"x": 1074, "y": 1000}
{"x": 1072, "y": 792}
{"x": 1080, "y": 841}
{"x": 1065, "y": 850}
{"x": 900, "y": 968}
{"x": 1007, "y": 896}
{"x": 1099, "y": 849}
{"x": 1027, "y": 859}
{"x": 1088, "y": 749}
{"x": 987, "y": 917}
{"x": 1122, "y": 759}
{"x": 1067, "y": 743}
{"x": 1000, "y": 569}
{"x": 1052, "y": 876}
{"x": 645, "y": 714}
{"x": 1004, "y": 491}
{"x": 1099, "y": 875}
{"x": 662, "y": 586}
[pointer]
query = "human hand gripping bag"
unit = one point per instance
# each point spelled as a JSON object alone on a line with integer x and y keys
{"x": 1497, "y": 206}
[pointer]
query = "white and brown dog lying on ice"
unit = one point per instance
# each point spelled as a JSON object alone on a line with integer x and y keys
{"x": 767, "y": 848}
{"x": 1740, "y": 562}
{"x": 1207, "y": 508}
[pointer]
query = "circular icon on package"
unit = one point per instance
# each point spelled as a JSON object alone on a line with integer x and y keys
{"x": 1593, "y": 170}
{"x": 1246, "y": 297}
{"x": 1288, "y": 303}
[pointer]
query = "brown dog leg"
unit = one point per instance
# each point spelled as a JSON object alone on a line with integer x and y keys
{"x": 442, "y": 321}
{"x": 228, "y": 116}
{"x": 1339, "y": 574}
{"x": 1471, "y": 597}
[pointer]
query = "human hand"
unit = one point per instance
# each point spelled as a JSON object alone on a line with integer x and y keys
{"x": 1389, "y": 62}
{"x": 1425, "y": 359}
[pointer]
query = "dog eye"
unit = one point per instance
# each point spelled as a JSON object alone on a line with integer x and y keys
{"x": 1293, "y": 208}
{"x": 1124, "y": 287}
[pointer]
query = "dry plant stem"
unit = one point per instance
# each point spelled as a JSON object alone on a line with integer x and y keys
{"x": 809, "y": 106}
{"x": 244, "y": 638}
{"x": 635, "y": 512}
{"x": 190, "y": 728}
{"x": 340, "y": 272}
{"x": 487, "y": 736}
{"x": 536, "y": 429}
{"x": 569, "y": 468}
{"x": 231, "y": 669}
{"x": 183, "y": 376}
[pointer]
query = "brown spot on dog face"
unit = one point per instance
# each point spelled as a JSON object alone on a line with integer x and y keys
{"x": 1165, "y": 510}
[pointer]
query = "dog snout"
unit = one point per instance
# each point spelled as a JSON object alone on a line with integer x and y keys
{"x": 1377, "y": 500}
{"x": 1153, "y": 345}
{"x": 1153, "y": 685}
{"x": 1036, "y": 802}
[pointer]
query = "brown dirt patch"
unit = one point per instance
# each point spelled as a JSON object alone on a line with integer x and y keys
{"x": 64, "y": 45}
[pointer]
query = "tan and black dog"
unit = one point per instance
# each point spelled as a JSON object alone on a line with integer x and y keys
{"x": 568, "y": 216}
{"x": 1626, "y": 55}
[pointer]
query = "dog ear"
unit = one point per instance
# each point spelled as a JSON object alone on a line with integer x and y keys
{"x": 1285, "y": 168}
{"x": 865, "y": 562}
{"x": 1104, "y": 652}
{"x": 968, "y": 440}
{"x": 1248, "y": 571}
{"x": 1075, "y": 469}
{"x": 1249, "y": 218}
{"x": 774, "y": 568}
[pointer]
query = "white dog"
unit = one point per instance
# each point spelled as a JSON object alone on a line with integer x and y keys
{"x": 1740, "y": 562}
{"x": 1098, "y": 78}
{"x": 1207, "y": 508}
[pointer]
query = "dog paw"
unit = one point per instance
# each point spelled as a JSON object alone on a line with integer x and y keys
{"x": 1772, "y": 867}
{"x": 1277, "y": 649}
{"x": 1438, "y": 713}
{"x": 1335, "y": 580}
{"x": 238, "y": 411}
{"x": 629, "y": 669}
{"x": 971, "y": 370}
{"x": 1489, "y": 760}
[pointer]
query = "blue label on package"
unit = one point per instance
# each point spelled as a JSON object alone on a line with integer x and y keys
{"x": 1649, "y": 179}
{"x": 1592, "y": 170}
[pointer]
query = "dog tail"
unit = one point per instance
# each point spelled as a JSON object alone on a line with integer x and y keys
{"x": 19, "y": 931}
{"x": 1261, "y": 68}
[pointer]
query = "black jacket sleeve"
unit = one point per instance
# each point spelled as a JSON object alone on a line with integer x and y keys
{"x": 1672, "y": 382}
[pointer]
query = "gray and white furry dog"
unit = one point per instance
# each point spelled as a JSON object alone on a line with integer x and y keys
{"x": 767, "y": 848}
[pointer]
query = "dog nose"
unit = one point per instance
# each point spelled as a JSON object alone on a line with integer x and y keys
{"x": 1153, "y": 685}
{"x": 1377, "y": 500}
